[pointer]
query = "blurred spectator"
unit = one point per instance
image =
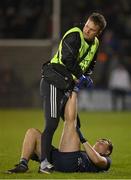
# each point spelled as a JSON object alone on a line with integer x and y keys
{"x": 119, "y": 84}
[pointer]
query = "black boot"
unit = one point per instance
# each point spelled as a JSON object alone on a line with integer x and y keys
{"x": 19, "y": 168}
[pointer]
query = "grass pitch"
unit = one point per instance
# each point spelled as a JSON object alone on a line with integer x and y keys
{"x": 113, "y": 125}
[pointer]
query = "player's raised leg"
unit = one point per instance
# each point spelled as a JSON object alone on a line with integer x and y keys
{"x": 69, "y": 140}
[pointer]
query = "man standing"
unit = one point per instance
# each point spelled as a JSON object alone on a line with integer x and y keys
{"x": 77, "y": 53}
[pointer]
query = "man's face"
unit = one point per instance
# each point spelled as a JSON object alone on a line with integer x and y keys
{"x": 90, "y": 30}
{"x": 101, "y": 146}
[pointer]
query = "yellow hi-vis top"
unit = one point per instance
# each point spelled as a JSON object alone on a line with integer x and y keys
{"x": 84, "y": 63}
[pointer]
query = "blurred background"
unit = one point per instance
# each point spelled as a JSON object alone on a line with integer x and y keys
{"x": 30, "y": 31}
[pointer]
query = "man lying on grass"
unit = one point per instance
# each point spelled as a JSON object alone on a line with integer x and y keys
{"x": 68, "y": 157}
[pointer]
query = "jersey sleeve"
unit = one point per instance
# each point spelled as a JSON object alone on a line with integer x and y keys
{"x": 70, "y": 50}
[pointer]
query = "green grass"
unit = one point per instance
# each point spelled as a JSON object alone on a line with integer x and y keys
{"x": 113, "y": 125}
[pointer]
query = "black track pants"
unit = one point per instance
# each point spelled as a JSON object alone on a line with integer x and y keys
{"x": 51, "y": 106}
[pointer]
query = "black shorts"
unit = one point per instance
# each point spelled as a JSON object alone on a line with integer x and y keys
{"x": 66, "y": 161}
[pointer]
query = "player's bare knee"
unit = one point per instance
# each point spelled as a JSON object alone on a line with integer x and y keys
{"x": 32, "y": 131}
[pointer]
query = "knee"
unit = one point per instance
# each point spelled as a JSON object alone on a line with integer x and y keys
{"x": 32, "y": 131}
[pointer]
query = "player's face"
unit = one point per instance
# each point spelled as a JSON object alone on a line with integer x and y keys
{"x": 101, "y": 146}
{"x": 90, "y": 30}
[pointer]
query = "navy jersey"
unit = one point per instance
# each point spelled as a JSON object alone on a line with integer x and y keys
{"x": 87, "y": 165}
